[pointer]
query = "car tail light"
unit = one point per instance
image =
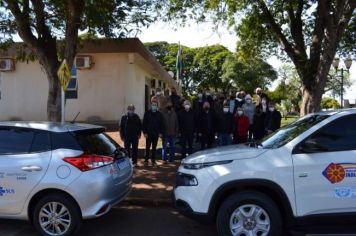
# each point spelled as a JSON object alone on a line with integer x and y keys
{"x": 87, "y": 162}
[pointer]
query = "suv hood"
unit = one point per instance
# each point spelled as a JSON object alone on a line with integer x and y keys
{"x": 232, "y": 152}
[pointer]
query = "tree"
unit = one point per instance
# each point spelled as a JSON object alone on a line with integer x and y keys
{"x": 308, "y": 32}
{"x": 333, "y": 83}
{"x": 202, "y": 67}
{"x": 329, "y": 103}
{"x": 49, "y": 30}
{"x": 209, "y": 61}
{"x": 166, "y": 54}
{"x": 249, "y": 73}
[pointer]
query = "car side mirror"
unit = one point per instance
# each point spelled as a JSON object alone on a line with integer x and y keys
{"x": 313, "y": 145}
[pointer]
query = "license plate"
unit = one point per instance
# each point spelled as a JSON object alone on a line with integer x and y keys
{"x": 123, "y": 164}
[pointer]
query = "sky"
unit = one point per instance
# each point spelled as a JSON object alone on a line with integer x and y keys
{"x": 202, "y": 34}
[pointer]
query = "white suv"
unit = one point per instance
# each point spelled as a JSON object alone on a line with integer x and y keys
{"x": 306, "y": 170}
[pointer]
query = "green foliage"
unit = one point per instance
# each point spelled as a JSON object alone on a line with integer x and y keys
{"x": 307, "y": 33}
{"x": 208, "y": 63}
{"x": 329, "y": 103}
{"x": 112, "y": 19}
{"x": 247, "y": 74}
{"x": 333, "y": 83}
{"x": 214, "y": 67}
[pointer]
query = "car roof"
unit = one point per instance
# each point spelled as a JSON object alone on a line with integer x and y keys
{"x": 336, "y": 111}
{"x": 50, "y": 126}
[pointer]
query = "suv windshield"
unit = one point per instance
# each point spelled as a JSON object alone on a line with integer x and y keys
{"x": 289, "y": 132}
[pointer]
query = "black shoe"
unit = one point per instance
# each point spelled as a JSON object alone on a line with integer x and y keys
{"x": 154, "y": 163}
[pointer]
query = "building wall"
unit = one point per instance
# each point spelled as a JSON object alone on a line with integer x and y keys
{"x": 104, "y": 91}
{"x": 24, "y": 92}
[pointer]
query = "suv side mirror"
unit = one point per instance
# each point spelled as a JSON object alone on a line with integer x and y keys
{"x": 313, "y": 145}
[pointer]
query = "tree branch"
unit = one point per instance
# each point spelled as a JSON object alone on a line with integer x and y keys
{"x": 41, "y": 27}
{"x": 276, "y": 29}
{"x": 296, "y": 26}
{"x": 74, "y": 13}
{"x": 23, "y": 22}
{"x": 317, "y": 37}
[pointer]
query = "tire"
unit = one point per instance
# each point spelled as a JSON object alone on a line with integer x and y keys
{"x": 233, "y": 215}
{"x": 68, "y": 224}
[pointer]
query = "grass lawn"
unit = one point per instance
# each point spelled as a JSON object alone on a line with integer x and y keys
{"x": 289, "y": 120}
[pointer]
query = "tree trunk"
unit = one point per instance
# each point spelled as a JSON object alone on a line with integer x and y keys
{"x": 311, "y": 100}
{"x": 49, "y": 61}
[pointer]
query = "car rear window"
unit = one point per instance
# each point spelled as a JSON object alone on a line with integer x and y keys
{"x": 96, "y": 142}
{"x": 64, "y": 140}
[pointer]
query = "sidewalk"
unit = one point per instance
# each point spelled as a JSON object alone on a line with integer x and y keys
{"x": 153, "y": 186}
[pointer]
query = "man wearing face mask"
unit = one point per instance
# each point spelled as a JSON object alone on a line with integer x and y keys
{"x": 130, "y": 132}
{"x": 219, "y": 104}
{"x": 161, "y": 99}
{"x": 209, "y": 98}
{"x": 225, "y": 126}
{"x": 186, "y": 128}
{"x": 241, "y": 127}
{"x": 198, "y": 103}
{"x": 259, "y": 124}
{"x": 273, "y": 119}
{"x": 152, "y": 130}
{"x": 206, "y": 126}
{"x": 240, "y": 98}
{"x": 175, "y": 99}
{"x": 249, "y": 111}
{"x": 232, "y": 102}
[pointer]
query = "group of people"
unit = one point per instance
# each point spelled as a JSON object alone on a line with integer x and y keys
{"x": 211, "y": 118}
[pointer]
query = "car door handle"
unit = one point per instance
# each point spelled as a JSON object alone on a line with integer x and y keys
{"x": 31, "y": 168}
{"x": 303, "y": 175}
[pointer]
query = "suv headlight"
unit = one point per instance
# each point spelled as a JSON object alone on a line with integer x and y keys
{"x": 186, "y": 180}
{"x": 196, "y": 166}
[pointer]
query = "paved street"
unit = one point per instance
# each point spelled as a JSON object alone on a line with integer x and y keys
{"x": 134, "y": 221}
{"x": 130, "y": 221}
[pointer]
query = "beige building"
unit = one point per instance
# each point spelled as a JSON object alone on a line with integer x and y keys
{"x": 109, "y": 75}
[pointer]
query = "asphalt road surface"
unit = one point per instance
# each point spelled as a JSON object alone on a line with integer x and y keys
{"x": 133, "y": 221}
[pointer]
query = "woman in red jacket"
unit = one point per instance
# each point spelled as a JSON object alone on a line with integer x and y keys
{"x": 242, "y": 125}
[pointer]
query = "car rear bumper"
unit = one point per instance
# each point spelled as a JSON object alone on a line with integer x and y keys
{"x": 96, "y": 192}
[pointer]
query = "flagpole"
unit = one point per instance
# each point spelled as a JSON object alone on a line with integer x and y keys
{"x": 177, "y": 67}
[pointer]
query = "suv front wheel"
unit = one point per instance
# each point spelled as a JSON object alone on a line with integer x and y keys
{"x": 249, "y": 213}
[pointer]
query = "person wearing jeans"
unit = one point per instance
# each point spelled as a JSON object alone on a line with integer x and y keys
{"x": 152, "y": 130}
{"x": 170, "y": 132}
{"x": 225, "y": 123}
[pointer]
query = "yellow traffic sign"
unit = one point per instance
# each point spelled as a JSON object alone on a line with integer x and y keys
{"x": 64, "y": 74}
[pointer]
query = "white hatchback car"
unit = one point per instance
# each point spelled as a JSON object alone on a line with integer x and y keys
{"x": 306, "y": 170}
{"x": 56, "y": 174}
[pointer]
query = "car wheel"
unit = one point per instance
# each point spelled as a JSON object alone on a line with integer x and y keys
{"x": 56, "y": 215}
{"x": 249, "y": 213}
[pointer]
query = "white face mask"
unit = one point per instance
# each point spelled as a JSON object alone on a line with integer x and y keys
{"x": 200, "y": 95}
{"x": 158, "y": 93}
{"x": 271, "y": 109}
{"x": 226, "y": 109}
{"x": 240, "y": 113}
{"x": 248, "y": 101}
{"x": 186, "y": 107}
{"x": 207, "y": 94}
